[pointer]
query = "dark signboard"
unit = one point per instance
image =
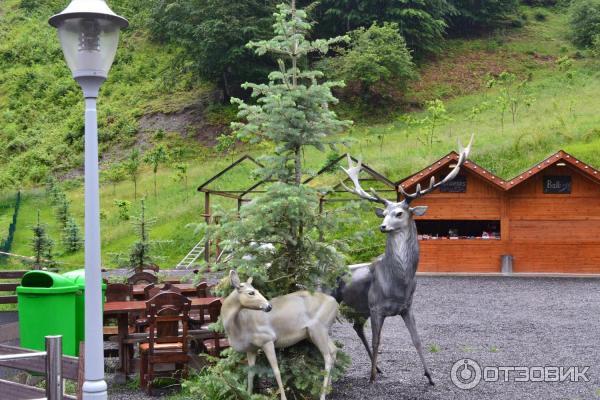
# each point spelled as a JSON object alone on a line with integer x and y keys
{"x": 557, "y": 184}
{"x": 457, "y": 185}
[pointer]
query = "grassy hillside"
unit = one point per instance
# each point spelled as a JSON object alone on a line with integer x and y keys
{"x": 563, "y": 114}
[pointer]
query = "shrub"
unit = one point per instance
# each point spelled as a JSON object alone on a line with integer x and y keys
{"x": 377, "y": 62}
{"x": 540, "y": 16}
{"x": 584, "y": 21}
{"x": 123, "y": 206}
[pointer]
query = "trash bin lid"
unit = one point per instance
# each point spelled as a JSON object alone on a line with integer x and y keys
{"x": 78, "y": 278}
{"x": 45, "y": 282}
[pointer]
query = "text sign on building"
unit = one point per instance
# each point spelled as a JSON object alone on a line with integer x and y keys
{"x": 457, "y": 185}
{"x": 557, "y": 184}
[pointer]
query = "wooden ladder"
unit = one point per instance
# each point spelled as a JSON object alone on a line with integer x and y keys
{"x": 192, "y": 256}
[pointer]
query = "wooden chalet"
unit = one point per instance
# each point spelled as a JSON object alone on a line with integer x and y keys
{"x": 547, "y": 218}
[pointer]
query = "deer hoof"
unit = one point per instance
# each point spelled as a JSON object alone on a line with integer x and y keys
{"x": 379, "y": 371}
{"x": 428, "y": 375}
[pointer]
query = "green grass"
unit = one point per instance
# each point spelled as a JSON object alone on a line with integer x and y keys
{"x": 563, "y": 115}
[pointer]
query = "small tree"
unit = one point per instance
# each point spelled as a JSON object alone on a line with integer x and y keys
{"x": 181, "y": 175}
{"x": 512, "y": 95}
{"x": 132, "y": 168}
{"x": 41, "y": 245}
{"x": 113, "y": 175}
{"x": 139, "y": 255}
{"x": 436, "y": 114}
{"x": 63, "y": 210}
{"x": 71, "y": 237}
{"x": 157, "y": 156}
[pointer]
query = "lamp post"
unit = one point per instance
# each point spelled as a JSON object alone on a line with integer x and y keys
{"x": 89, "y": 34}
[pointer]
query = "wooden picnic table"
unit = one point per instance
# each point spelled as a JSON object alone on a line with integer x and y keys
{"x": 186, "y": 289}
{"x": 122, "y": 309}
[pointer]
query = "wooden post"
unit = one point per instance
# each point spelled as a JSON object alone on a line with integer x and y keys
{"x": 207, "y": 220}
{"x": 54, "y": 381}
{"x": 81, "y": 371}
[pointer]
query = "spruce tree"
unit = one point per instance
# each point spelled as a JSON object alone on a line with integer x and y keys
{"x": 71, "y": 237}
{"x": 278, "y": 237}
{"x": 41, "y": 245}
{"x": 139, "y": 255}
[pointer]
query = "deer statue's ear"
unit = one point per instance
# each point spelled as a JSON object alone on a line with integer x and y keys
{"x": 419, "y": 210}
{"x": 235, "y": 279}
{"x": 249, "y": 281}
{"x": 379, "y": 212}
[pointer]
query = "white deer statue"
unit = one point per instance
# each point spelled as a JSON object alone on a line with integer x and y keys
{"x": 252, "y": 323}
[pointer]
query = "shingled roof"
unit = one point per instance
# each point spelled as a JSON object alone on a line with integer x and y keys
{"x": 496, "y": 181}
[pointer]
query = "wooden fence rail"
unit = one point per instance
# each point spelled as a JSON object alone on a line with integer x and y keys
{"x": 9, "y": 286}
{"x": 45, "y": 363}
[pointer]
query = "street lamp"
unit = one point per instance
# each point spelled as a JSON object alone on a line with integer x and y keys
{"x": 89, "y": 34}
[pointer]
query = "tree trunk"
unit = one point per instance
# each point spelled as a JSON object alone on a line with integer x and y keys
{"x": 134, "y": 189}
{"x": 298, "y": 166}
{"x": 155, "y": 192}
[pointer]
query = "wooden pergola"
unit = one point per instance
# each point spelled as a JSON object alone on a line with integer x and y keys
{"x": 243, "y": 194}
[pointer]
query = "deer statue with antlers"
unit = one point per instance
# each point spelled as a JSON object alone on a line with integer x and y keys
{"x": 385, "y": 288}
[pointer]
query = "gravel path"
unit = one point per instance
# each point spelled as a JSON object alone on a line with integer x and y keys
{"x": 495, "y": 321}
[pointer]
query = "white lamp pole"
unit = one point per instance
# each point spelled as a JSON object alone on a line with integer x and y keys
{"x": 89, "y": 34}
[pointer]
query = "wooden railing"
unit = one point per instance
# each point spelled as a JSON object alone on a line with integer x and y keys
{"x": 9, "y": 286}
{"x": 50, "y": 363}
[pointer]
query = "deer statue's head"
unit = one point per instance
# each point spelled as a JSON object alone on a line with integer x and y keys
{"x": 398, "y": 216}
{"x": 248, "y": 296}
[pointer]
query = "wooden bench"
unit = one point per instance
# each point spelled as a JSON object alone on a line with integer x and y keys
{"x": 9, "y": 286}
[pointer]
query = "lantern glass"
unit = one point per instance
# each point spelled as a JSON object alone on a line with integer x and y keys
{"x": 89, "y": 45}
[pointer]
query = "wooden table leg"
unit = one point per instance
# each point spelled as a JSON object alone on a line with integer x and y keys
{"x": 123, "y": 324}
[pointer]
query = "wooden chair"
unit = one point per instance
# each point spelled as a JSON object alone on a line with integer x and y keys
{"x": 218, "y": 342}
{"x": 141, "y": 322}
{"x": 152, "y": 290}
{"x": 202, "y": 289}
{"x": 142, "y": 277}
{"x": 167, "y": 343}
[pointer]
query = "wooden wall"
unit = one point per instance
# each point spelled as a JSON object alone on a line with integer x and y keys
{"x": 552, "y": 233}
{"x": 555, "y": 232}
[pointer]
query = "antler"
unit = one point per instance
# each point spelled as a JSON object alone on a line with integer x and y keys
{"x": 463, "y": 155}
{"x": 353, "y": 171}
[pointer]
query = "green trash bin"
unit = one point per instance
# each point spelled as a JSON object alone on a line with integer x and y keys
{"x": 46, "y": 304}
{"x": 78, "y": 278}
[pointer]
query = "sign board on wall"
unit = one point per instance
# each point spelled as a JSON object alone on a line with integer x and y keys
{"x": 557, "y": 184}
{"x": 457, "y": 185}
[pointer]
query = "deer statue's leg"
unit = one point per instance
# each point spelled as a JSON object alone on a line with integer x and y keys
{"x": 333, "y": 352}
{"x": 251, "y": 361}
{"x": 360, "y": 331}
{"x": 319, "y": 335}
{"x": 409, "y": 320}
{"x": 269, "y": 349}
{"x": 376, "y": 326}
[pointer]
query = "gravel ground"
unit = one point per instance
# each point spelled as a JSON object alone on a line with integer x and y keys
{"x": 495, "y": 321}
